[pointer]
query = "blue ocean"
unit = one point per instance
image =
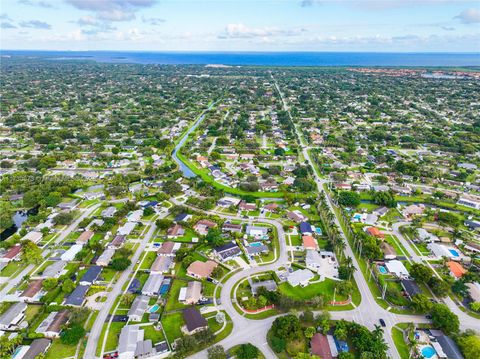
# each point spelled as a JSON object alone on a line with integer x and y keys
{"x": 261, "y": 58}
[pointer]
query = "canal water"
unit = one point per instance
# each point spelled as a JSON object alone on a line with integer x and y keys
{"x": 18, "y": 218}
{"x": 187, "y": 172}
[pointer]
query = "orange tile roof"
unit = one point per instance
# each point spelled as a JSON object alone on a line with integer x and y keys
{"x": 309, "y": 242}
{"x": 374, "y": 232}
{"x": 456, "y": 269}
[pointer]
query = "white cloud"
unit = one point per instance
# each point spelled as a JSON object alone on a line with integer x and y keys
{"x": 112, "y": 10}
{"x": 240, "y": 31}
{"x": 469, "y": 16}
{"x": 36, "y": 24}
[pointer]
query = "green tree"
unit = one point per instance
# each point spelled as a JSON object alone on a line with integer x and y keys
{"x": 349, "y": 199}
{"x": 309, "y": 332}
{"x": 49, "y": 283}
{"x": 246, "y": 351}
{"x": 68, "y": 286}
{"x": 421, "y": 303}
{"x": 120, "y": 264}
{"x": 72, "y": 335}
{"x": 421, "y": 272}
{"x": 31, "y": 253}
{"x": 216, "y": 352}
{"x": 444, "y": 319}
{"x": 469, "y": 343}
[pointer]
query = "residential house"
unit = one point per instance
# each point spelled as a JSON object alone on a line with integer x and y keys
{"x": 300, "y": 277}
{"x": 296, "y": 216}
{"x": 54, "y": 270}
{"x": 52, "y": 325}
{"x": 203, "y": 226}
{"x": 227, "y": 251}
{"x": 37, "y": 348}
{"x": 91, "y": 275}
{"x": 396, "y": 267}
{"x": 456, "y": 269}
{"x": 319, "y": 346}
{"x": 191, "y": 294}
{"x": 77, "y": 297}
{"x": 231, "y": 227}
{"x": 410, "y": 287}
{"x": 244, "y": 206}
{"x": 33, "y": 236}
{"x": 109, "y": 212}
{"x": 126, "y": 229}
{"x": 200, "y": 269}
{"x": 135, "y": 216}
{"x": 388, "y": 251}
{"x": 375, "y": 232}
{"x": 152, "y": 286}
{"x": 105, "y": 257}
{"x": 413, "y": 210}
{"x": 70, "y": 254}
{"x": 162, "y": 264}
{"x": 256, "y": 250}
{"x": 194, "y": 322}
{"x": 183, "y": 217}
{"x": 34, "y": 292}
{"x": 131, "y": 343}
{"x": 257, "y": 232}
{"x": 168, "y": 249}
{"x": 309, "y": 243}
{"x": 12, "y": 254}
{"x": 117, "y": 241}
{"x": 175, "y": 231}
{"x": 84, "y": 237}
{"x": 138, "y": 308}
{"x": 306, "y": 229}
{"x": 13, "y": 316}
{"x": 269, "y": 285}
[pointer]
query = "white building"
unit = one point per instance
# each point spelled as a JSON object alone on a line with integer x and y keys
{"x": 300, "y": 277}
{"x": 396, "y": 267}
{"x": 70, "y": 254}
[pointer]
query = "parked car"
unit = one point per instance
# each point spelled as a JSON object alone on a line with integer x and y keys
{"x": 382, "y": 323}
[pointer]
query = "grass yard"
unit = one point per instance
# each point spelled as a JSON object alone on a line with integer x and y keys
{"x": 173, "y": 303}
{"x": 148, "y": 260}
{"x": 12, "y": 268}
{"x": 402, "y": 347}
{"x": 151, "y": 333}
{"x": 60, "y": 351}
{"x": 112, "y": 337}
{"x": 172, "y": 324}
{"x": 325, "y": 288}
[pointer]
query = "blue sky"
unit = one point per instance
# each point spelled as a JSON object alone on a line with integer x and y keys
{"x": 248, "y": 25}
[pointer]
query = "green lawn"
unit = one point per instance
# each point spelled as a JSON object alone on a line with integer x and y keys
{"x": 325, "y": 287}
{"x": 112, "y": 337}
{"x": 402, "y": 347}
{"x": 172, "y": 302}
{"x": 151, "y": 333}
{"x": 172, "y": 324}
{"x": 12, "y": 268}
{"x": 60, "y": 351}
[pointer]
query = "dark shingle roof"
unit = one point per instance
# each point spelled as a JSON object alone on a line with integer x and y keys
{"x": 193, "y": 319}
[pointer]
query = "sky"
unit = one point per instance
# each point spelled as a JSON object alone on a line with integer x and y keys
{"x": 241, "y": 25}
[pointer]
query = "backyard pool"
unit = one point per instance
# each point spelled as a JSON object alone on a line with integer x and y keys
{"x": 255, "y": 244}
{"x": 382, "y": 269}
{"x": 454, "y": 252}
{"x": 154, "y": 308}
{"x": 428, "y": 352}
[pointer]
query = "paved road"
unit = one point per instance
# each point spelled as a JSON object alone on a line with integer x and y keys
{"x": 96, "y": 331}
{"x": 13, "y": 282}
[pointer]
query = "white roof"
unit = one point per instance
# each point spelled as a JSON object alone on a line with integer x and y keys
{"x": 33, "y": 236}
{"x": 396, "y": 267}
{"x": 70, "y": 254}
{"x": 127, "y": 228}
{"x": 299, "y": 276}
{"x": 135, "y": 216}
{"x": 129, "y": 337}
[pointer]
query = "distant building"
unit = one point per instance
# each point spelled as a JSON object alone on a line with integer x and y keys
{"x": 300, "y": 277}
{"x": 257, "y": 232}
{"x": 105, "y": 257}
{"x": 152, "y": 285}
{"x": 191, "y": 294}
{"x": 91, "y": 275}
{"x": 162, "y": 264}
{"x": 227, "y": 251}
{"x": 54, "y": 270}
{"x": 109, "y": 212}
{"x": 52, "y": 325}
{"x": 77, "y": 297}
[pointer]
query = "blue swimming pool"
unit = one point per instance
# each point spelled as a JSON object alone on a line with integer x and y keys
{"x": 382, "y": 269}
{"x": 428, "y": 352}
{"x": 255, "y": 244}
{"x": 357, "y": 217}
{"x": 154, "y": 308}
{"x": 454, "y": 252}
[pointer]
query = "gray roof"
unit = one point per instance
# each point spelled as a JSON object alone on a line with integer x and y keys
{"x": 139, "y": 306}
{"x": 299, "y": 276}
{"x": 144, "y": 348}
{"x": 153, "y": 283}
{"x": 129, "y": 337}
{"x": 449, "y": 347}
{"x": 91, "y": 275}
{"x": 54, "y": 269}
{"x": 269, "y": 285}
{"x": 11, "y": 313}
{"x": 256, "y": 249}
{"x": 38, "y": 346}
{"x": 77, "y": 296}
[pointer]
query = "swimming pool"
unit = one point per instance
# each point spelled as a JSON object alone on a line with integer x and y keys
{"x": 382, "y": 269}
{"x": 357, "y": 217}
{"x": 255, "y": 244}
{"x": 154, "y": 308}
{"x": 428, "y": 352}
{"x": 454, "y": 252}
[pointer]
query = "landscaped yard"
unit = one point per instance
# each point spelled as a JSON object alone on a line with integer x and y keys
{"x": 325, "y": 287}
{"x": 402, "y": 347}
{"x": 172, "y": 324}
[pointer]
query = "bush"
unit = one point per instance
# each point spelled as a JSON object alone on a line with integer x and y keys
{"x": 121, "y": 263}
{"x": 278, "y": 344}
{"x": 72, "y": 335}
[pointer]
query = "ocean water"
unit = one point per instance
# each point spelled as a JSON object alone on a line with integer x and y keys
{"x": 262, "y": 58}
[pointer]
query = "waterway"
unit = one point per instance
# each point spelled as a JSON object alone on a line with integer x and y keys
{"x": 18, "y": 218}
{"x": 187, "y": 172}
